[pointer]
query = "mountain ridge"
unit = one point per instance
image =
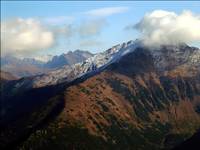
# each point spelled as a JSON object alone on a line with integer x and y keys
{"x": 101, "y": 60}
{"x": 130, "y": 103}
{"x": 31, "y": 66}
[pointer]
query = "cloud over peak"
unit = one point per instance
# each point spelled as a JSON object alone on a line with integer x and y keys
{"x": 58, "y": 20}
{"x": 91, "y": 27}
{"x": 28, "y": 37}
{"x": 164, "y": 27}
{"x": 106, "y": 11}
{"x": 19, "y": 36}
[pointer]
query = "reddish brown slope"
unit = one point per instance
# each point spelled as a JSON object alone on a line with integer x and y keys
{"x": 130, "y": 105}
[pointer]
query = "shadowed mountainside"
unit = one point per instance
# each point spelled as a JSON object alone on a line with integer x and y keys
{"x": 191, "y": 143}
{"x": 134, "y": 103}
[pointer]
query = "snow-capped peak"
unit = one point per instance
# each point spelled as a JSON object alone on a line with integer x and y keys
{"x": 69, "y": 73}
{"x": 163, "y": 58}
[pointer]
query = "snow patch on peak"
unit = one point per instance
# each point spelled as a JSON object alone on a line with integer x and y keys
{"x": 176, "y": 55}
{"x": 98, "y": 61}
{"x": 164, "y": 58}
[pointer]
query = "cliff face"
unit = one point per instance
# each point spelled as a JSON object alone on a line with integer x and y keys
{"x": 142, "y": 101}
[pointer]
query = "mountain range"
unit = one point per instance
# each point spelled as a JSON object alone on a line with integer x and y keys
{"x": 130, "y": 96}
{"x": 31, "y": 66}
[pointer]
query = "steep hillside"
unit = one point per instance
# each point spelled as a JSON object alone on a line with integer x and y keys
{"x": 145, "y": 99}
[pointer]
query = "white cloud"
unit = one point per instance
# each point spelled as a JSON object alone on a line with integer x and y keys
{"x": 64, "y": 30}
{"x": 58, "y": 20}
{"x": 164, "y": 27}
{"x": 24, "y": 36}
{"x": 29, "y": 37}
{"x": 91, "y": 27}
{"x": 90, "y": 43}
{"x": 106, "y": 11}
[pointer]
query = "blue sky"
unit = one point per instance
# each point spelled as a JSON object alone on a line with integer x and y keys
{"x": 110, "y": 28}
